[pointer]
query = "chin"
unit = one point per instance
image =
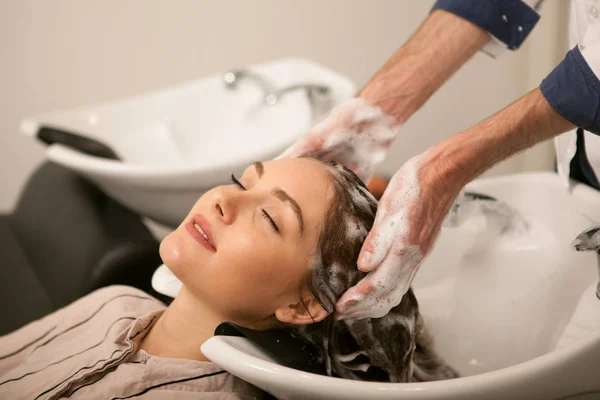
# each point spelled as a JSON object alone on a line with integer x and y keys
{"x": 172, "y": 252}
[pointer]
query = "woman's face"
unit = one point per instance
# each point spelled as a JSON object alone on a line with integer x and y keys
{"x": 261, "y": 239}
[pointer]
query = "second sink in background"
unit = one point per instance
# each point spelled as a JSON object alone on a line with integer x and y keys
{"x": 178, "y": 142}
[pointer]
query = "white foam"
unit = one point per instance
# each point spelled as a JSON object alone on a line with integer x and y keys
{"x": 359, "y": 367}
{"x": 393, "y": 320}
{"x": 326, "y": 353}
{"x": 354, "y": 230}
{"x": 336, "y": 269}
{"x": 355, "y": 134}
{"x": 359, "y": 199}
{"x": 399, "y": 259}
{"x": 349, "y": 357}
{"x": 336, "y": 284}
{"x": 360, "y": 196}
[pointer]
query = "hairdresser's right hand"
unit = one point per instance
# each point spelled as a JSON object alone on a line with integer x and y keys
{"x": 355, "y": 134}
{"x": 408, "y": 220}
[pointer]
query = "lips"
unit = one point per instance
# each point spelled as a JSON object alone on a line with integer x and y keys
{"x": 199, "y": 228}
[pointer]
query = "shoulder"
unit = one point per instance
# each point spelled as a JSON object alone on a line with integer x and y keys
{"x": 119, "y": 291}
{"x": 238, "y": 388}
{"x": 120, "y": 294}
{"x": 204, "y": 380}
{"x": 114, "y": 300}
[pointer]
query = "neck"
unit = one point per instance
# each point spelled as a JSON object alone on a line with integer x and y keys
{"x": 183, "y": 327}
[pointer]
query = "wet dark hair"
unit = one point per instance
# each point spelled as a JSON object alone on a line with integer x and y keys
{"x": 394, "y": 348}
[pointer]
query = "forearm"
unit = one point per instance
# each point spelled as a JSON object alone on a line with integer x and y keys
{"x": 442, "y": 44}
{"x": 462, "y": 157}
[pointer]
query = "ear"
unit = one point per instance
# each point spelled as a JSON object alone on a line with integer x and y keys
{"x": 303, "y": 312}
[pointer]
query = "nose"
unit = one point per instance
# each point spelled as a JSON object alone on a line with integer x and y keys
{"x": 227, "y": 205}
{"x": 222, "y": 209}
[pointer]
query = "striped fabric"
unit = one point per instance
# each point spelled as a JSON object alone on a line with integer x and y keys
{"x": 89, "y": 350}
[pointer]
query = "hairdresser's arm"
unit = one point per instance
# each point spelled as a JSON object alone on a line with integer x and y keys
{"x": 441, "y": 45}
{"x": 358, "y": 134}
{"x": 453, "y": 32}
{"x": 459, "y": 159}
{"x": 420, "y": 194}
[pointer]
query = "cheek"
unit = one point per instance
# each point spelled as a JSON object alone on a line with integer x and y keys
{"x": 257, "y": 275}
{"x": 256, "y": 261}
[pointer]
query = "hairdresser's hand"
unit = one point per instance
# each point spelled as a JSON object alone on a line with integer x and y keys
{"x": 408, "y": 220}
{"x": 355, "y": 134}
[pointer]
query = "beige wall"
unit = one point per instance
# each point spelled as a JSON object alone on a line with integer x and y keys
{"x": 64, "y": 53}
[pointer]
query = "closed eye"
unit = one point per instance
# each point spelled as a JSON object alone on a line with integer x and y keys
{"x": 235, "y": 181}
{"x": 265, "y": 214}
{"x": 268, "y": 217}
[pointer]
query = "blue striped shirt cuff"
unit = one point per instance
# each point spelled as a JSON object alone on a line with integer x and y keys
{"x": 510, "y": 21}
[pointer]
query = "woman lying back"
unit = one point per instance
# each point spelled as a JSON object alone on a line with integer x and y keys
{"x": 273, "y": 250}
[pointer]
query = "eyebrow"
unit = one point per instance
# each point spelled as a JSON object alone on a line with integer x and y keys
{"x": 283, "y": 196}
{"x": 260, "y": 168}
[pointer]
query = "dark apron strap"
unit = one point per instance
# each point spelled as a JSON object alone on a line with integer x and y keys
{"x": 581, "y": 169}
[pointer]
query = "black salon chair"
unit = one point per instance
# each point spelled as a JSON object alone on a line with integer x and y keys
{"x": 65, "y": 239}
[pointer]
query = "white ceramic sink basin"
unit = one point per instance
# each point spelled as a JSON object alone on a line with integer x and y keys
{"x": 497, "y": 301}
{"x": 177, "y": 142}
{"x": 496, "y": 305}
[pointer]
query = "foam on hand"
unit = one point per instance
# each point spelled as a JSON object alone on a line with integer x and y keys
{"x": 355, "y": 134}
{"x": 399, "y": 257}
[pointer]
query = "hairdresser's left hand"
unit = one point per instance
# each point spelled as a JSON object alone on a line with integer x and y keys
{"x": 356, "y": 134}
{"x": 408, "y": 220}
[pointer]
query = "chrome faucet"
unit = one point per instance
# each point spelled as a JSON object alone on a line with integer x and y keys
{"x": 232, "y": 78}
{"x": 319, "y": 96}
{"x": 589, "y": 240}
{"x": 469, "y": 202}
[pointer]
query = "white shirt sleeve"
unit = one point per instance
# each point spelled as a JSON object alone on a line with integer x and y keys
{"x": 590, "y": 45}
